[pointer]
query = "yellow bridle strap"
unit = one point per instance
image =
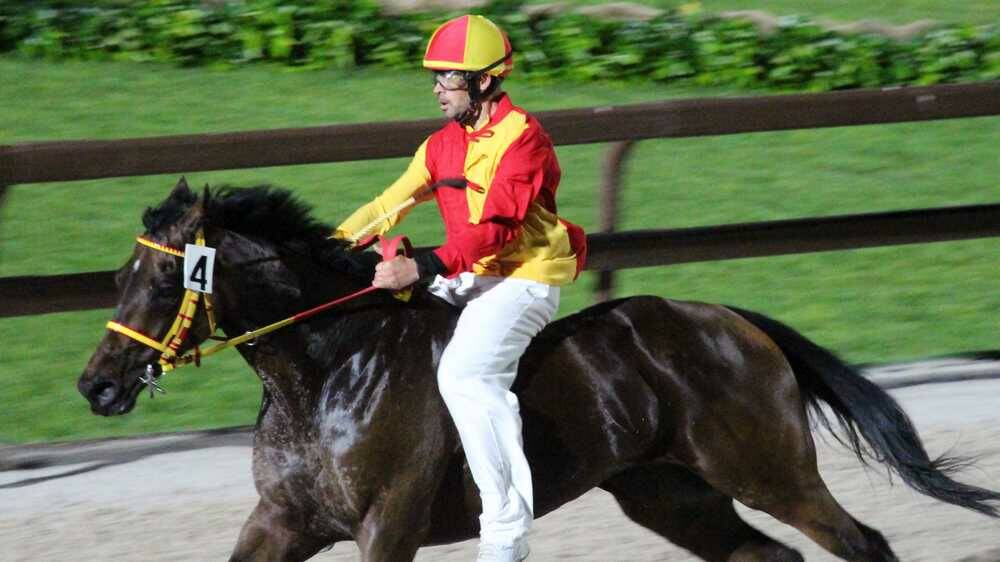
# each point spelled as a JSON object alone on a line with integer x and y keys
{"x": 233, "y": 342}
{"x": 175, "y": 336}
{"x": 137, "y": 336}
{"x": 162, "y": 247}
{"x": 189, "y": 307}
{"x": 178, "y": 332}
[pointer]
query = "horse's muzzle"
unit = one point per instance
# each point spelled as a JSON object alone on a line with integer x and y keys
{"x": 106, "y": 397}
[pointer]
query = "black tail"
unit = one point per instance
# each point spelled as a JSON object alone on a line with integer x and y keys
{"x": 863, "y": 410}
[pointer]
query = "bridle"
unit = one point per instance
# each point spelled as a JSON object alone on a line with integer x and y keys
{"x": 169, "y": 346}
{"x": 171, "y": 343}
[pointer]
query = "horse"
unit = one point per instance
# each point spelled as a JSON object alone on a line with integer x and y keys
{"x": 675, "y": 408}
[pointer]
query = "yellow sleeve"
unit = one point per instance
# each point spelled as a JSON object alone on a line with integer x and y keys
{"x": 413, "y": 179}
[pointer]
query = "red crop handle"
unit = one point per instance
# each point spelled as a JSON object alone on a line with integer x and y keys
{"x": 390, "y": 247}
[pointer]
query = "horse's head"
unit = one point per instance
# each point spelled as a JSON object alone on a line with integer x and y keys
{"x": 273, "y": 259}
{"x": 151, "y": 292}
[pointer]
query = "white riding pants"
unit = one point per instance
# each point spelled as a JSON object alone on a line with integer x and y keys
{"x": 477, "y": 369}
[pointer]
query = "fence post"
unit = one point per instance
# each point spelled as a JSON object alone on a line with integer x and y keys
{"x": 610, "y": 187}
{"x": 3, "y": 193}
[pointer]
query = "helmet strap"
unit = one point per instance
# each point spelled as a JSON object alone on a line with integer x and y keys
{"x": 477, "y": 96}
{"x": 472, "y": 79}
{"x": 471, "y": 115}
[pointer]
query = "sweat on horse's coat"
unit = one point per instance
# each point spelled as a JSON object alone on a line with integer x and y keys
{"x": 676, "y": 408}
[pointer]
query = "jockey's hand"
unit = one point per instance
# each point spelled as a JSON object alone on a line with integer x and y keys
{"x": 397, "y": 273}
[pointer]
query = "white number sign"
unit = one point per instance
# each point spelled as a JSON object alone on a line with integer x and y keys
{"x": 199, "y": 264}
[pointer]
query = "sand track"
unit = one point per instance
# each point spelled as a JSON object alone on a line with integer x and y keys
{"x": 189, "y": 505}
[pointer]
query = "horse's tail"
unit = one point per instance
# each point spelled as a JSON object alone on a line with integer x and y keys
{"x": 863, "y": 410}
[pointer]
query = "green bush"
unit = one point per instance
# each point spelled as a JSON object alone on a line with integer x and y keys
{"x": 804, "y": 55}
{"x": 702, "y": 50}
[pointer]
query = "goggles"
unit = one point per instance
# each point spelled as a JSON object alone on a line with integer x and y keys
{"x": 450, "y": 80}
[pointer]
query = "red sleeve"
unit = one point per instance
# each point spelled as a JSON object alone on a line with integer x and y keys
{"x": 527, "y": 170}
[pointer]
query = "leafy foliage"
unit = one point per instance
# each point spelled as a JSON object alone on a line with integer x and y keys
{"x": 697, "y": 49}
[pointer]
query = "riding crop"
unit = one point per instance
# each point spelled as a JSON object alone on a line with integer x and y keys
{"x": 460, "y": 183}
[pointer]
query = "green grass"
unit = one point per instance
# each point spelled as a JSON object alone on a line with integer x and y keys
{"x": 869, "y": 305}
{"x": 894, "y": 11}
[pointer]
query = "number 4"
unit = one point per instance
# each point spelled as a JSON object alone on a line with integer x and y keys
{"x": 199, "y": 264}
{"x": 198, "y": 273}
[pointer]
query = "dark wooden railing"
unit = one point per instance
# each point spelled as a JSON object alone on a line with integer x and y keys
{"x": 79, "y": 160}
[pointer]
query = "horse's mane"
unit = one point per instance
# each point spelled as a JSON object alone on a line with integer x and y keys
{"x": 261, "y": 211}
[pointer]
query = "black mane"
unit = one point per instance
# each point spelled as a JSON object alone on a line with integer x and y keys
{"x": 267, "y": 212}
{"x": 263, "y": 211}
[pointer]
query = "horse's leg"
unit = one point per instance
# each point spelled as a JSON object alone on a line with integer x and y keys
{"x": 269, "y": 536}
{"x": 394, "y": 528}
{"x": 809, "y": 507}
{"x": 681, "y": 507}
{"x": 767, "y": 461}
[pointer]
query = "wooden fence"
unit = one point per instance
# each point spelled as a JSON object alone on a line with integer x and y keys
{"x": 79, "y": 160}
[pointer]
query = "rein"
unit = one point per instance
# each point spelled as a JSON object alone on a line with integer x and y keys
{"x": 171, "y": 343}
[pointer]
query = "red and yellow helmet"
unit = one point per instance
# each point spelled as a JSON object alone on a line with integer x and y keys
{"x": 470, "y": 43}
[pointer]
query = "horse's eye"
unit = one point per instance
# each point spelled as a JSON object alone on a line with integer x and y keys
{"x": 164, "y": 289}
{"x": 120, "y": 278}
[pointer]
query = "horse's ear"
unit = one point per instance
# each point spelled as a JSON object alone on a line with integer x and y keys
{"x": 181, "y": 195}
{"x": 201, "y": 203}
{"x": 181, "y": 191}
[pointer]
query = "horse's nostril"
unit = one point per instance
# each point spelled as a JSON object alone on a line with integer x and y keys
{"x": 104, "y": 393}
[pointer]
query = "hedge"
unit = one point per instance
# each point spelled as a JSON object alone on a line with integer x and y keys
{"x": 697, "y": 49}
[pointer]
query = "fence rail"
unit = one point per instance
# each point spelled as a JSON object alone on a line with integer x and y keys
{"x": 84, "y": 291}
{"x": 79, "y": 160}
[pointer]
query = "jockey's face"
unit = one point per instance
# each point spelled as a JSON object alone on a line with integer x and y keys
{"x": 452, "y": 92}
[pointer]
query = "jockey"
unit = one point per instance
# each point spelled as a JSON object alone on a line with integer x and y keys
{"x": 505, "y": 255}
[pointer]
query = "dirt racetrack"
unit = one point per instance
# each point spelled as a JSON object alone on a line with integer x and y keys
{"x": 190, "y": 505}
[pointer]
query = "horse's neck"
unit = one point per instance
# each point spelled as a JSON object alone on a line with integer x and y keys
{"x": 261, "y": 284}
{"x": 257, "y": 286}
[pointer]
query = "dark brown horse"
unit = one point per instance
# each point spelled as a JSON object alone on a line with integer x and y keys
{"x": 676, "y": 408}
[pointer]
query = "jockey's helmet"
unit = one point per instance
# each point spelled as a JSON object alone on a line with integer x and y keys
{"x": 471, "y": 45}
